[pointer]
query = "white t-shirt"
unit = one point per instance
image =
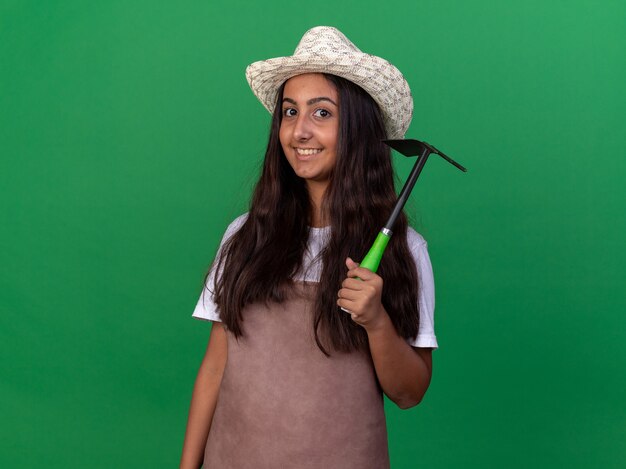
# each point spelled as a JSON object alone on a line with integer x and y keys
{"x": 206, "y": 308}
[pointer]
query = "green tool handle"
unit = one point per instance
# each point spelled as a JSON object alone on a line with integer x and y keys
{"x": 375, "y": 254}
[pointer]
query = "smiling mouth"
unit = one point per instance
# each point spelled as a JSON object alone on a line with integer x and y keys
{"x": 307, "y": 151}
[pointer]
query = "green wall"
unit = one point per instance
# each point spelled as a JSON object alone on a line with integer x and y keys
{"x": 129, "y": 139}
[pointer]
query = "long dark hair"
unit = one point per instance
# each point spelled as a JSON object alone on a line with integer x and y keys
{"x": 258, "y": 262}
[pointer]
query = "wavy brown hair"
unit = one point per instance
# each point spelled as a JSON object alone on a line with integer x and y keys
{"x": 258, "y": 262}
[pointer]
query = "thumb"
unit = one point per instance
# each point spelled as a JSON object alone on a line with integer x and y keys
{"x": 350, "y": 263}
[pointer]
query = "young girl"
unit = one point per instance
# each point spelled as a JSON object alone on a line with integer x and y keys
{"x": 301, "y": 349}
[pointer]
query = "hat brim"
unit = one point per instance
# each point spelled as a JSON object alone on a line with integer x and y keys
{"x": 382, "y": 81}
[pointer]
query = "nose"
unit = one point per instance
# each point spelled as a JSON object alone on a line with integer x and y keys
{"x": 302, "y": 128}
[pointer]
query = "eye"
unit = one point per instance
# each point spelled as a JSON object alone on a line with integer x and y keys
{"x": 321, "y": 113}
{"x": 289, "y": 112}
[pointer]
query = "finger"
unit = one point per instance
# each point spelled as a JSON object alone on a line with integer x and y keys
{"x": 346, "y": 305}
{"x": 354, "y": 284}
{"x": 347, "y": 294}
{"x": 354, "y": 316}
{"x": 363, "y": 273}
{"x": 350, "y": 263}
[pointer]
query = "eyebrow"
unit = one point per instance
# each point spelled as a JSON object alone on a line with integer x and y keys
{"x": 311, "y": 101}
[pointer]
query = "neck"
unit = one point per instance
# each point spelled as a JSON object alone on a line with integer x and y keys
{"x": 316, "y": 194}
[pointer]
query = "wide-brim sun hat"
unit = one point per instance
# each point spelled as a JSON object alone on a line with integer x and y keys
{"x": 325, "y": 49}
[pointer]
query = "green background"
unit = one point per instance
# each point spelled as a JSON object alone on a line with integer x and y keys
{"x": 129, "y": 139}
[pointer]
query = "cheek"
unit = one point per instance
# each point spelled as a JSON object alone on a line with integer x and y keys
{"x": 283, "y": 136}
{"x": 332, "y": 141}
{"x": 285, "y": 141}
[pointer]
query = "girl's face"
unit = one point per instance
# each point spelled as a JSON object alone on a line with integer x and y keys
{"x": 309, "y": 127}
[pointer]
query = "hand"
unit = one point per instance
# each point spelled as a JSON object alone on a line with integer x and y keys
{"x": 361, "y": 298}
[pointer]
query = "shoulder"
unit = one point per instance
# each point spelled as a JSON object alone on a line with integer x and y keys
{"x": 235, "y": 225}
{"x": 415, "y": 240}
{"x": 419, "y": 250}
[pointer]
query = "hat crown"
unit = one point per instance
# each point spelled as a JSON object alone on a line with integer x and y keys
{"x": 324, "y": 49}
{"x": 325, "y": 40}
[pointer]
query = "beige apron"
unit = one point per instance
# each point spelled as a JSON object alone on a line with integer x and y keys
{"x": 283, "y": 404}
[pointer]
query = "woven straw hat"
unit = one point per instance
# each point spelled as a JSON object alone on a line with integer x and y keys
{"x": 325, "y": 49}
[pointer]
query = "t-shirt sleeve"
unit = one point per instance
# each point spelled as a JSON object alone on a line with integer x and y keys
{"x": 206, "y": 309}
{"x": 426, "y": 293}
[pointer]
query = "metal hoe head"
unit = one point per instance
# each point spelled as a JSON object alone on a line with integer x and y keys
{"x": 411, "y": 147}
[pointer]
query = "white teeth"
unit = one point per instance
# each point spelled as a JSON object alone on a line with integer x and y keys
{"x": 308, "y": 151}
